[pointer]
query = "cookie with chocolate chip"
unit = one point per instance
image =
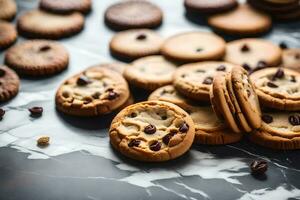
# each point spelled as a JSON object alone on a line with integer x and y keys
{"x": 251, "y": 54}
{"x": 194, "y": 80}
{"x": 152, "y": 131}
{"x": 150, "y": 72}
{"x": 66, "y": 6}
{"x": 93, "y": 92}
{"x": 136, "y": 43}
{"x": 193, "y": 47}
{"x": 291, "y": 59}
{"x": 37, "y": 58}
{"x": 9, "y": 84}
{"x": 278, "y": 88}
{"x": 209, "y": 129}
{"x": 280, "y": 130}
{"x": 8, "y": 9}
{"x": 8, "y": 34}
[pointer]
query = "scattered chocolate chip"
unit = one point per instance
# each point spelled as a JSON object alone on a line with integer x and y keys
{"x": 43, "y": 141}
{"x": 208, "y": 80}
{"x": 141, "y": 36}
{"x": 245, "y": 48}
{"x": 294, "y": 120}
{"x": 96, "y": 95}
{"x": 246, "y": 67}
{"x": 283, "y": 45}
{"x": 155, "y": 146}
{"x": 134, "y": 143}
{"x": 83, "y": 80}
{"x": 293, "y": 79}
{"x": 259, "y": 167}
{"x": 261, "y": 64}
{"x": 2, "y": 113}
{"x": 199, "y": 49}
{"x": 166, "y": 139}
{"x": 279, "y": 74}
{"x": 221, "y": 68}
{"x": 45, "y": 48}
{"x": 36, "y": 111}
{"x": 150, "y": 129}
{"x": 112, "y": 95}
{"x": 267, "y": 118}
{"x": 272, "y": 85}
{"x": 184, "y": 128}
{"x": 133, "y": 115}
{"x": 2, "y": 72}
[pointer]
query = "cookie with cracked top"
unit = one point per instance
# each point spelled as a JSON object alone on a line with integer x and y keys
{"x": 278, "y": 88}
{"x": 208, "y": 6}
{"x": 8, "y": 34}
{"x": 9, "y": 84}
{"x": 93, "y": 92}
{"x": 8, "y": 9}
{"x": 152, "y": 131}
{"x": 66, "y": 6}
{"x": 37, "y": 58}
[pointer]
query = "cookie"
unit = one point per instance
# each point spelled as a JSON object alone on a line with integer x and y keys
{"x": 8, "y": 9}
{"x": 193, "y": 47}
{"x": 150, "y": 72}
{"x": 293, "y": 15}
{"x": 244, "y": 20}
{"x": 273, "y": 8}
{"x": 208, "y": 6}
{"x": 133, "y": 14}
{"x": 136, "y": 43}
{"x": 251, "y": 54}
{"x": 8, "y": 34}
{"x": 152, "y": 131}
{"x": 194, "y": 80}
{"x": 280, "y": 130}
{"x": 37, "y": 58}
{"x": 9, "y": 84}
{"x": 278, "y": 88}
{"x": 208, "y": 128}
{"x": 93, "y": 92}
{"x": 282, "y": 1}
{"x": 66, "y": 6}
{"x": 291, "y": 59}
{"x": 32, "y": 24}
{"x": 115, "y": 66}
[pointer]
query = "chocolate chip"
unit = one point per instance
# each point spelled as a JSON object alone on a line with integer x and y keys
{"x": 184, "y": 128}
{"x": 283, "y": 45}
{"x": 221, "y": 68}
{"x": 267, "y": 118}
{"x": 272, "y": 85}
{"x": 2, "y": 72}
{"x": 133, "y": 115}
{"x": 297, "y": 56}
{"x": 36, "y": 111}
{"x": 199, "y": 49}
{"x": 294, "y": 120}
{"x": 183, "y": 75}
{"x": 200, "y": 71}
{"x": 141, "y": 36}
{"x": 208, "y": 81}
{"x": 150, "y": 129}
{"x": 245, "y": 48}
{"x": 96, "y": 95}
{"x": 112, "y": 95}
{"x": 279, "y": 74}
{"x": 261, "y": 64}
{"x": 83, "y": 80}
{"x": 45, "y": 48}
{"x": 293, "y": 79}
{"x": 248, "y": 93}
{"x": 2, "y": 113}
{"x": 246, "y": 67}
{"x": 155, "y": 146}
{"x": 173, "y": 132}
{"x": 134, "y": 143}
{"x": 166, "y": 139}
{"x": 164, "y": 117}
{"x": 259, "y": 167}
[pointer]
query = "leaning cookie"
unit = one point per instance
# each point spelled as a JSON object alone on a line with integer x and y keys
{"x": 8, "y": 34}
{"x": 152, "y": 131}
{"x": 93, "y": 92}
{"x": 66, "y": 6}
{"x": 9, "y": 84}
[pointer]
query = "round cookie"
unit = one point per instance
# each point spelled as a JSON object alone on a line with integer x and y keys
{"x": 9, "y": 84}
{"x": 244, "y": 20}
{"x": 278, "y": 88}
{"x": 194, "y": 80}
{"x": 282, "y": 1}
{"x": 208, "y": 6}
{"x": 133, "y": 14}
{"x": 193, "y": 47}
{"x": 136, "y": 43}
{"x": 8, "y": 34}
{"x": 208, "y": 128}
{"x": 150, "y": 72}
{"x": 291, "y": 59}
{"x": 93, "y": 92}
{"x": 152, "y": 131}
{"x": 8, "y": 9}
{"x": 280, "y": 130}
{"x": 251, "y": 53}
{"x": 66, "y": 6}
{"x": 273, "y": 8}
{"x": 115, "y": 66}
{"x": 37, "y": 57}
{"x": 32, "y": 24}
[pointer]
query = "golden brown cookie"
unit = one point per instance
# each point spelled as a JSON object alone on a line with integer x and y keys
{"x": 37, "y": 58}
{"x": 115, "y": 66}
{"x": 8, "y": 34}
{"x": 9, "y": 84}
{"x": 152, "y": 131}
{"x": 8, "y": 9}
{"x": 32, "y": 24}
{"x": 209, "y": 6}
{"x": 193, "y": 47}
{"x": 66, "y": 6}
{"x": 93, "y": 92}
{"x": 150, "y": 72}
{"x": 291, "y": 59}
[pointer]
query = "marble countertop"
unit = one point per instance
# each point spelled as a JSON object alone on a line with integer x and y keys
{"x": 80, "y": 164}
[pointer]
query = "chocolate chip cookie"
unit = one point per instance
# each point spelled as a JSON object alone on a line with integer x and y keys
{"x": 66, "y": 6}
{"x": 152, "y": 131}
{"x": 278, "y": 88}
{"x": 194, "y": 80}
{"x": 8, "y": 34}
{"x": 150, "y": 72}
{"x": 37, "y": 58}
{"x": 115, "y": 66}
{"x": 8, "y": 9}
{"x": 9, "y": 84}
{"x": 93, "y": 92}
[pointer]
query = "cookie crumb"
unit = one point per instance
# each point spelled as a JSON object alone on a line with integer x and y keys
{"x": 43, "y": 141}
